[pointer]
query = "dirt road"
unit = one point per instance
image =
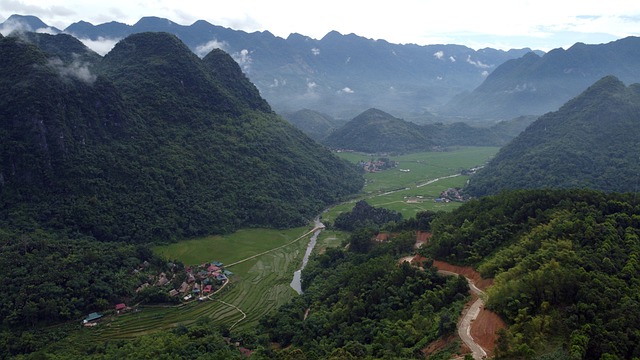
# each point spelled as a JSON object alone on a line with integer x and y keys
{"x": 468, "y": 316}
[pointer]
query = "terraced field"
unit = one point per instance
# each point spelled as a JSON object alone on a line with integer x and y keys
{"x": 258, "y": 285}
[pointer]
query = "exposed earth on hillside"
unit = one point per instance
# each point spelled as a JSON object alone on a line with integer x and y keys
{"x": 485, "y": 326}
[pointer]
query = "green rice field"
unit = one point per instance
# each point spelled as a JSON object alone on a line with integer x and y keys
{"x": 409, "y": 192}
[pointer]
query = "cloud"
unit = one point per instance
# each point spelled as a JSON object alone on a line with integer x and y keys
{"x": 438, "y": 54}
{"x": 484, "y": 73}
{"x": 478, "y": 63}
{"x": 76, "y": 69}
{"x": 346, "y": 90}
{"x": 315, "y": 51}
{"x": 243, "y": 58}
{"x": 10, "y": 26}
{"x": 13, "y": 25}
{"x": 203, "y": 49}
{"x": 101, "y": 45}
{"x": 47, "y": 30}
{"x": 311, "y": 86}
{"x": 452, "y": 58}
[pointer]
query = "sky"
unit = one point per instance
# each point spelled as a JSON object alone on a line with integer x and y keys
{"x": 501, "y": 24}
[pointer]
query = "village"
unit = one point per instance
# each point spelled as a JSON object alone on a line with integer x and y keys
{"x": 198, "y": 283}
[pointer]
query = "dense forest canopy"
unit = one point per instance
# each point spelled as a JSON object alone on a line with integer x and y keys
{"x": 566, "y": 267}
{"x": 365, "y": 304}
{"x": 591, "y": 142}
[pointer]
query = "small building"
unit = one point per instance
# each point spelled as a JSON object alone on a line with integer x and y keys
{"x": 173, "y": 292}
{"x": 217, "y": 263}
{"x": 92, "y": 317}
{"x": 221, "y": 277}
{"x": 213, "y": 268}
{"x": 120, "y": 307}
{"x": 207, "y": 289}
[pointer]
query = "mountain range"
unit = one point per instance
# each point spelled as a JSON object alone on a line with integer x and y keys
{"x": 340, "y": 75}
{"x": 590, "y": 142}
{"x": 535, "y": 85}
{"x": 149, "y": 143}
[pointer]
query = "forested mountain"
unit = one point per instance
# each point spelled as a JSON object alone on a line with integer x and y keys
{"x": 339, "y": 75}
{"x": 591, "y": 142}
{"x": 535, "y": 85}
{"x": 149, "y": 143}
{"x": 376, "y": 131}
{"x": 565, "y": 263}
{"x": 313, "y": 123}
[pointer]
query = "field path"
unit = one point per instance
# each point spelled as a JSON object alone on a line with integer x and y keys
{"x": 316, "y": 227}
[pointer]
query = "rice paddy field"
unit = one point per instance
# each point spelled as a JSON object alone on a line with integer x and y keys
{"x": 417, "y": 181}
{"x": 263, "y": 260}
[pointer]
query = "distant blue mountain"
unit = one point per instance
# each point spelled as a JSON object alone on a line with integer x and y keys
{"x": 340, "y": 75}
{"x": 535, "y": 85}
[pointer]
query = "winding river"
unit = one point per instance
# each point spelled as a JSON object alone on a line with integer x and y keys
{"x": 296, "y": 283}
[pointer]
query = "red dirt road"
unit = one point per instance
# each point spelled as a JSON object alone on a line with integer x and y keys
{"x": 486, "y": 324}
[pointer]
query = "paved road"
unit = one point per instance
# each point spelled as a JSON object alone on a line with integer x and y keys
{"x": 464, "y": 325}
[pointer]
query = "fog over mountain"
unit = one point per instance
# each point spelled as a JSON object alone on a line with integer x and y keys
{"x": 340, "y": 75}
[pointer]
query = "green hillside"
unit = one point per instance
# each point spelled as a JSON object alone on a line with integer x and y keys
{"x": 591, "y": 142}
{"x": 315, "y": 124}
{"x": 565, "y": 263}
{"x": 150, "y": 143}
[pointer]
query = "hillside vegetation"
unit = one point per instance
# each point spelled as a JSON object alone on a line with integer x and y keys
{"x": 566, "y": 267}
{"x": 591, "y": 142}
{"x": 149, "y": 143}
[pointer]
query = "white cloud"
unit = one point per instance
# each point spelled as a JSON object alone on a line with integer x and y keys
{"x": 102, "y": 46}
{"x": 47, "y": 30}
{"x": 478, "y": 63}
{"x": 315, "y": 51}
{"x": 438, "y": 54}
{"x": 311, "y": 86}
{"x": 243, "y": 58}
{"x": 203, "y": 49}
{"x": 484, "y": 73}
{"x": 10, "y": 26}
{"x": 452, "y": 58}
{"x": 77, "y": 70}
{"x": 346, "y": 90}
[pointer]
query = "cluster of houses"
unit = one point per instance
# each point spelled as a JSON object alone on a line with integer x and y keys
{"x": 377, "y": 165}
{"x": 201, "y": 280}
{"x": 451, "y": 194}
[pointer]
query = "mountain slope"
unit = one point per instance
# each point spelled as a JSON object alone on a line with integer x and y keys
{"x": 590, "y": 142}
{"x": 153, "y": 143}
{"x": 376, "y": 131}
{"x": 534, "y": 85}
{"x": 315, "y": 124}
